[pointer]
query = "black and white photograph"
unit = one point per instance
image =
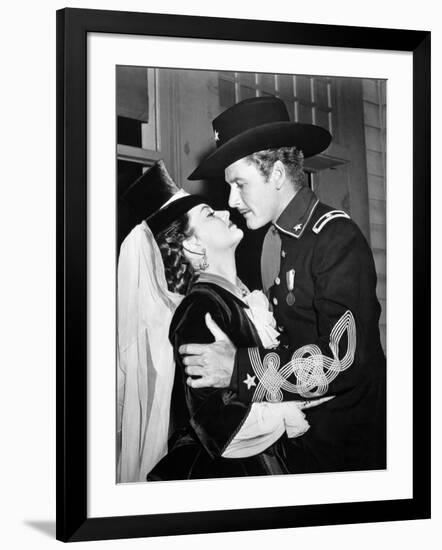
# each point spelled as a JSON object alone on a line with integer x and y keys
{"x": 251, "y": 274}
{"x": 242, "y": 293}
{"x": 221, "y": 259}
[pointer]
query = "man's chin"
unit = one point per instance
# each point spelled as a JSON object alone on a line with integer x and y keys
{"x": 253, "y": 223}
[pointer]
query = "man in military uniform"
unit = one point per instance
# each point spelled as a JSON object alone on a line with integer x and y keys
{"x": 319, "y": 274}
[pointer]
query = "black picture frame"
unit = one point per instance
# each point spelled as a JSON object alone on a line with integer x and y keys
{"x": 73, "y": 25}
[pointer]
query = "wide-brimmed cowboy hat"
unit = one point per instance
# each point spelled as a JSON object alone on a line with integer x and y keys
{"x": 254, "y": 125}
{"x": 156, "y": 198}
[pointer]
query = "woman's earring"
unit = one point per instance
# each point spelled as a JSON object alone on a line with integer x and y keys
{"x": 204, "y": 264}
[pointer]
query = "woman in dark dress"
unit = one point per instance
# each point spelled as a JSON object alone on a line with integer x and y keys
{"x": 212, "y": 433}
{"x": 207, "y": 419}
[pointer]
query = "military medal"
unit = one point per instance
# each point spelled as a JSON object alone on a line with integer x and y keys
{"x": 290, "y": 277}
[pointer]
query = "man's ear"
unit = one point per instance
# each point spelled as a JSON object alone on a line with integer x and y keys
{"x": 278, "y": 175}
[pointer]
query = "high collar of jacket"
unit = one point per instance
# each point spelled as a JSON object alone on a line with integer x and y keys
{"x": 297, "y": 213}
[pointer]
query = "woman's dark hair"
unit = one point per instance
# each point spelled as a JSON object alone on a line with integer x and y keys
{"x": 179, "y": 272}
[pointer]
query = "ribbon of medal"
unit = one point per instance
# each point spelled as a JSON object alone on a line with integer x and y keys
{"x": 290, "y": 278}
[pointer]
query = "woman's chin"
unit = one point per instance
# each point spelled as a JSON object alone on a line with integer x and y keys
{"x": 240, "y": 234}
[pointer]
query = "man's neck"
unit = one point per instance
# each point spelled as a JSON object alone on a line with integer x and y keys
{"x": 288, "y": 193}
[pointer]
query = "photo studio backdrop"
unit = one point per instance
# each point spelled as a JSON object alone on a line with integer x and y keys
{"x": 167, "y": 114}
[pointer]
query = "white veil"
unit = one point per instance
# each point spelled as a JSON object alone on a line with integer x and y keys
{"x": 145, "y": 363}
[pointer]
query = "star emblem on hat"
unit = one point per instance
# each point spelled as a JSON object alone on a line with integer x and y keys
{"x": 250, "y": 381}
{"x": 216, "y": 135}
{"x": 298, "y": 227}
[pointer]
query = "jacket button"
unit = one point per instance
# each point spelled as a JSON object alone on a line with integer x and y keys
{"x": 281, "y": 329}
{"x": 277, "y": 281}
{"x": 283, "y": 254}
{"x": 275, "y": 301}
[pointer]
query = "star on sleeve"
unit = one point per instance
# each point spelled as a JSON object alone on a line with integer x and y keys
{"x": 250, "y": 381}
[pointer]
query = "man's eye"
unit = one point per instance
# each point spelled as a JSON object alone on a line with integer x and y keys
{"x": 210, "y": 213}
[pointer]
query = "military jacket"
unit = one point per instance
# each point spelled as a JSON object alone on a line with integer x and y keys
{"x": 324, "y": 300}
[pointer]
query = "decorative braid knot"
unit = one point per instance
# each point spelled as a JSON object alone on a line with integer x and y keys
{"x": 313, "y": 371}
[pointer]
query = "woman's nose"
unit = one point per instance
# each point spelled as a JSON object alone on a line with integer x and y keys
{"x": 223, "y": 215}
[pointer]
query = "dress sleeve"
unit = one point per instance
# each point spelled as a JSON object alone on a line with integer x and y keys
{"x": 264, "y": 425}
{"x": 215, "y": 414}
{"x": 346, "y": 310}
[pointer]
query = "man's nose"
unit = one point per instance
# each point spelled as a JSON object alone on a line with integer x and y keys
{"x": 234, "y": 198}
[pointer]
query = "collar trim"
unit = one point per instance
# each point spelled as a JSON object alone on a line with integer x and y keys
{"x": 301, "y": 231}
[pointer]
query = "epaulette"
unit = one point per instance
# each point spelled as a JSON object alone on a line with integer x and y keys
{"x": 327, "y": 217}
